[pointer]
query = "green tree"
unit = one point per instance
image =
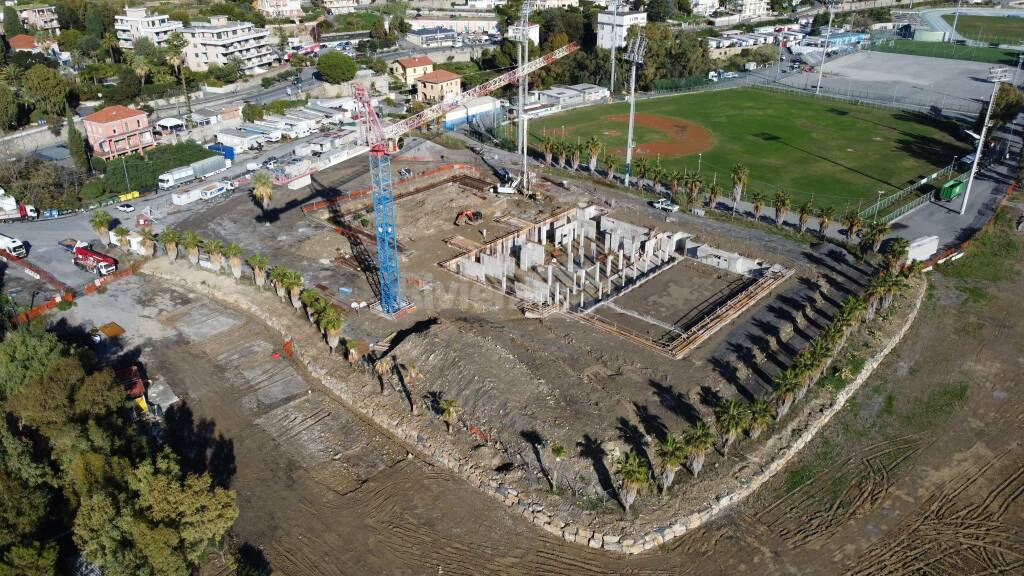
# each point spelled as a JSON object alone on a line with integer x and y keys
{"x": 100, "y": 221}
{"x": 804, "y": 213}
{"x": 252, "y": 112}
{"x": 48, "y": 91}
{"x": 762, "y": 414}
{"x": 671, "y": 454}
{"x": 1007, "y": 105}
{"x": 739, "y": 174}
{"x": 781, "y": 203}
{"x": 697, "y": 440}
{"x": 12, "y": 22}
{"x": 450, "y": 411}
{"x": 336, "y": 68}
{"x": 633, "y": 477}
{"x": 8, "y": 108}
{"x": 825, "y": 216}
{"x": 76, "y": 144}
{"x": 732, "y": 417}
{"x": 757, "y": 199}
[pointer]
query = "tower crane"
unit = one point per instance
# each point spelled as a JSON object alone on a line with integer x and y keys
{"x": 382, "y": 140}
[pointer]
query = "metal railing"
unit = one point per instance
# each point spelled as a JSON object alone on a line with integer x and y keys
{"x": 892, "y": 199}
{"x": 906, "y": 208}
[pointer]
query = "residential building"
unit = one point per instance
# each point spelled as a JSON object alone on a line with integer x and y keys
{"x": 437, "y": 86}
{"x": 704, "y": 7}
{"x": 220, "y": 40}
{"x": 411, "y": 68}
{"x": 612, "y": 28}
{"x": 342, "y": 6}
{"x": 118, "y": 130}
{"x": 289, "y": 9}
{"x": 431, "y": 37}
{"x": 751, "y": 9}
{"x": 41, "y": 18}
{"x": 138, "y": 23}
{"x": 23, "y": 43}
{"x": 532, "y": 31}
{"x": 546, "y": 4}
{"x": 484, "y": 4}
{"x": 459, "y": 25}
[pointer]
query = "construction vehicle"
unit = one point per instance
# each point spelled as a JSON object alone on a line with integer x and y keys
{"x": 472, "y": 217}
{"x": 13, "y": 246}
{"x": 88, "y": 259}
{"x": 108, "y": 331}
{"x": 509, "y": 188}
{"x": 11, "y": 210}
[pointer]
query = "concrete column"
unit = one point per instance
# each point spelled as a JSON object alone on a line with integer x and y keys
{"x": 593, "y": 250}
{"x": 599, "y": 292}
{"x": 607, "y": 242}
{"x": 504, "y": 273}
{"x": 581, "y": 298}
{"x": 620, "y": 260}
{"x": 551, "y": 271}
{"x": 609, "y": 285}
{"x": 597, "y": 273}
{"x": 608, "y": 265}
{"x": 558, "y": 293}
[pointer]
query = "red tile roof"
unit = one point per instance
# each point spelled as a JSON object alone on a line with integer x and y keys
{"x": 415, "y": 61}
{"x": 22, "y": 42}
{"x": 438, "y": 76}
{"x": 112, "y": 113}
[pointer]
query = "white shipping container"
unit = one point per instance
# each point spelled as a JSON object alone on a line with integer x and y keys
{"x": 207, "y": 191}
{"x": 183, "y": 197}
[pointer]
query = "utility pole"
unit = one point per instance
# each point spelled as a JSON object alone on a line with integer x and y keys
{"x": 824, "y": 53}
{"x": 635, "y": 56}
{"x": 981, "y": 146}
{"x": 956, "y": 16}
{"x": 615, "y": 44}
{"x": 522, "y": 35}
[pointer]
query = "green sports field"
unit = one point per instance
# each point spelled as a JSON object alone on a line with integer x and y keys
{"x": 948, "y": 50}
{"x": 842, "y": 154}
{"x": 1000, "y": 29}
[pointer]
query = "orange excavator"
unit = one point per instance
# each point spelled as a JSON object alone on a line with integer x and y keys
{"x": 472, "y": 217}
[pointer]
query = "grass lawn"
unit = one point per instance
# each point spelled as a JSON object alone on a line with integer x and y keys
{"x": 989, "y": 28}
{"x": 842, "y": 154}
{"x": 947, "y": 50}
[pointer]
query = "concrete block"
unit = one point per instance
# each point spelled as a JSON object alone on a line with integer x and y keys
{"x": 470, "y": 269}
{"x": 530, "y": 254}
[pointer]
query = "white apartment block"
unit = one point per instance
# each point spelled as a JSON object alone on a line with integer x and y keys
{"x": 287, "y": 9}
{"x": 138, "y": 23}
{"x": 459, "y": 25}
{"x": 612, "y": 28}
{"x": 750, "y": 9}
{"x": 220, "y": 40}
{"x": 41, "y": 18}
{"x": 342, "y": 6}
{"x": 704, "y": 7}
{"x": 545, "y": 4}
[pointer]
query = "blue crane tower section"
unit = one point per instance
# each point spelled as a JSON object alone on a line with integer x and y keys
{"x": 384, "y": 218}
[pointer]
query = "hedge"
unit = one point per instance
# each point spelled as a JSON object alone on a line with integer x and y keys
{"x": 143, "y": 172}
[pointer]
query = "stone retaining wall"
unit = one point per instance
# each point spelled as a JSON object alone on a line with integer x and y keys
{"x": 404, "y": 429}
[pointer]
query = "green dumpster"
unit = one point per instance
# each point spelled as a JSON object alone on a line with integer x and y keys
{"x": 952, "y": 189}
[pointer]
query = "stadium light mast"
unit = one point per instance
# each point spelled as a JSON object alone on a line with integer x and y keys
{"x": 635, "y": 56}
{"x": 824, "y": 52}
{"x": 521, "y": 33}
{"x": 615, "y": 43}
{"x": 981, "y": 146}
{"x": 956, "y": 16}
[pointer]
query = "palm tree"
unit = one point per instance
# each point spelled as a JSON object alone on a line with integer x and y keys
{"x": 174, "y": 46}
{"x": 139, "y": 66}
{"x": 547, "y": 146}
{"x": 757, "y": 198}
{"x": 331, "y": 322}
{"x": 671, "y": 454}
{"x": 896, "y": 254}
{"x": 233, "y": 252}
{"x": 170, "y": 238}
{"x": 740, "y": 175}
{"x": 852, "y": 221}
{"x": 11, "y": 75}
{"x": 891, "y": 286}
{"x": 314, "y": 303}
{"x": 100, "y": 222}
{"x": 122, "y": 238}
{"x": 292, "y": 282}
{"x": 450, "y": 411}
{"x": 262, "y": 189}
{"x": 109, "y": 42}
{"x": 191, "y": 242}
{"x": 639, "y": 169}
{"x": 412, "y": 378}
{"x": 276, "y": 276}
{"x": 781, "y": 204}
{"x": 561, "y": 148}
{"x": 593, "y": 148}
{"x": 258, "y": 263}
{"x": 656, "y": 173}
{"x": 732, "y": 417}
{"x": 874, "y": 233}
{"x": 697, "y": 440}
{"x": 825, "y": 215}
{"x": 787, "y": 385}
{"x": 714, "y": 191}
{"x": 611, "y": 162}
{"x": 633, "y": 477}
{"x": 693, "y": 184}
{"x": 557, "y": 454}
{"x": 148, "y": 241}
{"x": 574, "y": 156}
{"x": 215, "y": 248}
{"x": 762, "y": 413}
{"x": 804, "y": 213}
{"x": 674, "y": 178}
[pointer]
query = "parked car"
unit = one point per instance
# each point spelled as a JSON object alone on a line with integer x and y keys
{"x": 126, "y": 207}
{"x": 665, "y": 204}
{"x": 270, "y": 163}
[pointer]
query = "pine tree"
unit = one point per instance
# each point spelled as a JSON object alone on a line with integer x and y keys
{"x": 76, "y": 144}
{"x": 12, "y": 22}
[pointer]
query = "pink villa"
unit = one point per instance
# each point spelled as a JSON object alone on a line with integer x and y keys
{"x": 118, "y": 130}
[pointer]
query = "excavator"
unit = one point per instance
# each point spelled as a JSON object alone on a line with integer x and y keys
{"x": 469, "y": 217}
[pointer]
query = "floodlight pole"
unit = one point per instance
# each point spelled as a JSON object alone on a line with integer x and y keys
{"x": 824, "y": 53}
{"x": 956, "y": 16}
{"x": 981, "y": 146}
{"x": 615, "y": 43}
{"x": 635, "y": 55}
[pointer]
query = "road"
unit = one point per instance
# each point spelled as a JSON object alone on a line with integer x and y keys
{"x": 255, "y": 93}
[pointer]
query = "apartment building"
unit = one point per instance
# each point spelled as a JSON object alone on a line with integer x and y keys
{"x": 138, "y": 23}
{"x": 342, "y": 6}
{"x": 437, "y": 86}
{"x": 221, "y": 40}
{"x": 612, "y": 28}
{"x": 459, "y": 25}
{"x": 118, "y": 130}
{"x": 751, "y": 9}
{"x": 411, "y": 68}
{"x": 288, "y": 9}
{"x": 704, "y": 7}
{"x": 41, "y": 18}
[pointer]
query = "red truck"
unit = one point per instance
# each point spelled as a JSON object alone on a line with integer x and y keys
{"x": 88, "y": 259}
